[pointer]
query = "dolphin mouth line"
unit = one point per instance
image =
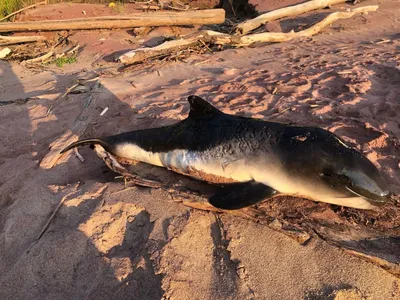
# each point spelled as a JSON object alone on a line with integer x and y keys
{"x": 371, "y": 200}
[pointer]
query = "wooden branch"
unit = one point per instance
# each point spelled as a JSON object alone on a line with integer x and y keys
{"x": 166, "y": 48}
{"x": 161, "y": 18}
{"x": 40, "y": 59}
{"x": 22, "y": 9}
{"x": 142, "y": 54}
{"x": 11, "y": 40}
{"x": 275, "y": 37}
{"x": 249, "y": 25}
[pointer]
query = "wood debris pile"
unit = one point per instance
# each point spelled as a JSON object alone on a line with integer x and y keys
{"x": 217, "y": 32}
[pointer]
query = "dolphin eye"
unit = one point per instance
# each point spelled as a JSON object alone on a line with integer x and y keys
{"x": 325, "y": 174}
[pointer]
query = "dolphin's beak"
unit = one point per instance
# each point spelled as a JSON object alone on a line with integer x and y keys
{"x": 371, "y": 187}
{"x": 378, "y": 199}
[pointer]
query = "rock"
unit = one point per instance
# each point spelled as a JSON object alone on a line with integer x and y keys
{"x": 4, "y": 52}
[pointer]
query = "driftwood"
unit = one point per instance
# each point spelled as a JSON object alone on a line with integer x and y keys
{"x": 166, "y": 48}
{"x": 11, "y": 40}
{"x": 370, "y": 235}
{"x": 314, "y": 29}
{"x": 208, "y": 36}
{"x": 284, "y": 12}
{"x": 160, "y": 18}
{"x": 39, "y": 59}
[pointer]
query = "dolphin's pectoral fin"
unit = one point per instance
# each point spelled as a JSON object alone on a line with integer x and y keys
{"x": 239, "y": 195}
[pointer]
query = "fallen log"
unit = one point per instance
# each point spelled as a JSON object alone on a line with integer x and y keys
{"x": 208, "y": 36}
{"x": 160, "y": 18}
{"x": 314, "y": 29}
{"x": 11, "y": 40}
{"x": 249, "y": 25}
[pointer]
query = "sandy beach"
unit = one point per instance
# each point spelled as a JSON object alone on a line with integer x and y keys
{"x": 108, "y": 241}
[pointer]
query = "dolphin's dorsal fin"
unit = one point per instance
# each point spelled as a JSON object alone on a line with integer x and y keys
{"x": 200, "y": 107}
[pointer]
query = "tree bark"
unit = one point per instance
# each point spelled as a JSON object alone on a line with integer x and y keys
{"x": 161, "y": 18}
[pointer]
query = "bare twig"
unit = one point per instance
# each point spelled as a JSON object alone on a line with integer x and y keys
{"x": 286, "y": 109}
{"x": 41, "y": 58}
{"x": 78, "y": 155}
{"x": 11, "y": 40}
{"x": 205, "y": 45}
{"x": 53, "y": 215}
{"x": 61, "y": 97}
{"x": 68, "y": 52}
{"x": 383, "y": 42}
{"x": 73, "y": 49}
{"x": 233, "y": 10}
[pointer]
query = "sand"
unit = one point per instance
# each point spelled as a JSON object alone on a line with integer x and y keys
{"x": 112, "y": 242}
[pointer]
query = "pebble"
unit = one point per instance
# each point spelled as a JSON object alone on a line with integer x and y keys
{"x": 4, "y": 52}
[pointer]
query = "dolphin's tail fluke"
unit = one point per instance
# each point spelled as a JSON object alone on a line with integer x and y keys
{"x": 84, "y": 142}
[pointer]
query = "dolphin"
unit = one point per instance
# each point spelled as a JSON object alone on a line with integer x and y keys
{"x": 253, "y": 159}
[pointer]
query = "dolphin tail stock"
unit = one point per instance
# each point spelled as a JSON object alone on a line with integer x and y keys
{"x": 84, "y": 142}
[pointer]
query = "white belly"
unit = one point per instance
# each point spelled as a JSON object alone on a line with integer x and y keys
{"x": 184, "y": 161}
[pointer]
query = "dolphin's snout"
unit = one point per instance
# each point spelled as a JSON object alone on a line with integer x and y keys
{"x": 385, "y": 193}
{"x": 369, "y": 185}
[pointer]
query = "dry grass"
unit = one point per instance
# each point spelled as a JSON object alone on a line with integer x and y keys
{"x": 9, "y": 6}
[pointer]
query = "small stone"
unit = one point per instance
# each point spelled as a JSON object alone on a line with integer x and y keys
{"x": 230, "y": 71}
{"x": 4, "y": 52}
{"x": 275, "y": 224}
{"x": 241, "y": 272}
